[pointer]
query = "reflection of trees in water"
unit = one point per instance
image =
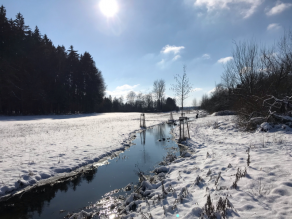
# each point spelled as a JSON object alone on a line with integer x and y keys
{"x": 90, "y": 176}
{"x": 159, "y": 132}
{"x": 150, "y": 130}
{"x": 145, "y": 156}
{"x": 75, "y": 183}
{"x": 143, "y": 137}
{"x": 33, "y": 202}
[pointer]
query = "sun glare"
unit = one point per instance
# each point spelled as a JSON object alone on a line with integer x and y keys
{"x": 108, "y": 7}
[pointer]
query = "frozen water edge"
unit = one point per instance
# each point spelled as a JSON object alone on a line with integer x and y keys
{"x": 37, "y": 148}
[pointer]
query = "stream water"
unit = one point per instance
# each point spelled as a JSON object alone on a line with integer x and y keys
{"x": 72, "y": 196}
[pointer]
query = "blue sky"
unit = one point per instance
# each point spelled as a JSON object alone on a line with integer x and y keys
{"x": 148, "y": 40}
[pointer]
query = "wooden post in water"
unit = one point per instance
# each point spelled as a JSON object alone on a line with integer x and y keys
{"x": 143, "y": 136}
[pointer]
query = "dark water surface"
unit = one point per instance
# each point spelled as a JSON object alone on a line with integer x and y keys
{"x": 74, "y": 195}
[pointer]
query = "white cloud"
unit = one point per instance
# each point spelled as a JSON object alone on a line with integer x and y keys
{"x": 126, "y": 87}
{"x": 206, "y": 56}
{"x": 197, "y": 89}
{"x": 176, "y": 58}
{"x": 246, "y": 7}
{"x": 224, "y": 60}
{"x": 172, "y": 49}
{"x": 121, "y": 90}
{"x": 169, "y": 54}
{"x": 278, "y": 8}
{"x": 273, "y": 26}
{"x": 201, "y": 58}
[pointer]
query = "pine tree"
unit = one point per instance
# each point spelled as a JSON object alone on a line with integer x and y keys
{"x": 36, "y": 77}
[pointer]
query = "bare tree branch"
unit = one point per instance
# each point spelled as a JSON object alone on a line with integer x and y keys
{"x": 182, "y": 88}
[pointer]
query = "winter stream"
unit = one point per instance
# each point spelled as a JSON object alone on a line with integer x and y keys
{"x": 107, "y": 180}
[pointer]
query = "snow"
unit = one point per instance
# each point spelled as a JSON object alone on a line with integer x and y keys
{"x": 38, "y": 147}
{"x": 262, "y": 189}
{"x": 80, "y": 215}
{"x": 265, "y": 126}
{"x": 216, "y": 163}
{"x": 265, "y": 191}
{"x": 224, "y": 113}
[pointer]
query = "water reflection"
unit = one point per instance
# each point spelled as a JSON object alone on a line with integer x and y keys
{"x": 160, "y": 132}
{"x": 143, "y": 137}
{"x": 73, "y": 195}
{"x": 31, "y": 204}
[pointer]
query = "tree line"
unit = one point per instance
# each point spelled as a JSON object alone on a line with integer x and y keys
{"x": 256, "y": 83}
{"x": 154, "y": 101}
{"x": 38, "y": 78}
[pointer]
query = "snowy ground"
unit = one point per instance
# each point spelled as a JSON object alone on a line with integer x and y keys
{"x": 219, "y": 153}
{"x": 33, "y": 148}
{"x": 38, "y": 147}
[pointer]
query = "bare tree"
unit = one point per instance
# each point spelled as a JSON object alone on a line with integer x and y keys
{"x": 244, "y": 68}
{"x": 148, "y": 100}
{"x": 139, "y": 100}
{"x": 182, "y": 88}
{"x": 121, "y": 100}
{"x": 131, "y": 97}
{"x": 258, "y": 75}
{"x": 159, "y": 91}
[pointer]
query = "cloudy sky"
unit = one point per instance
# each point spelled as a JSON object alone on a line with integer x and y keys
{"x": 145, "y": 40}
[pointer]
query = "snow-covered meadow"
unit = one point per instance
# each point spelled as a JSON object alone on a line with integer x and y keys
{"x": 248, "y": 173}
{"x": 38, "y": 147}
{"x": 243, "y": 174}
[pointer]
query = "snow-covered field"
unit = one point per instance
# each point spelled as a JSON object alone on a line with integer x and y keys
{"x": 38, "y": 147}
{"x": 217, "y": 169}
{"x": 34, "y": 148}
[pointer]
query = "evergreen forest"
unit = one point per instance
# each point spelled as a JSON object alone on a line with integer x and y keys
{"x": 38, "y": 78}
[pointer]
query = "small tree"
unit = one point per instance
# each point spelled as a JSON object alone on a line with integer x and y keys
{"x": 182, "y": 88}
{"x": 158, "y": 91}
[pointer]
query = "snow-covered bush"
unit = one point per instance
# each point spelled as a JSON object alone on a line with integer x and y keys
{"x": 265, "y": 126}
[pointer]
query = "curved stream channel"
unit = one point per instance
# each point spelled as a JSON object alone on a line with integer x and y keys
{"x": 72, "y": 196}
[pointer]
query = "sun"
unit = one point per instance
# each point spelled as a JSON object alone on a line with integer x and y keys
{"x": 108, "y": 7}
